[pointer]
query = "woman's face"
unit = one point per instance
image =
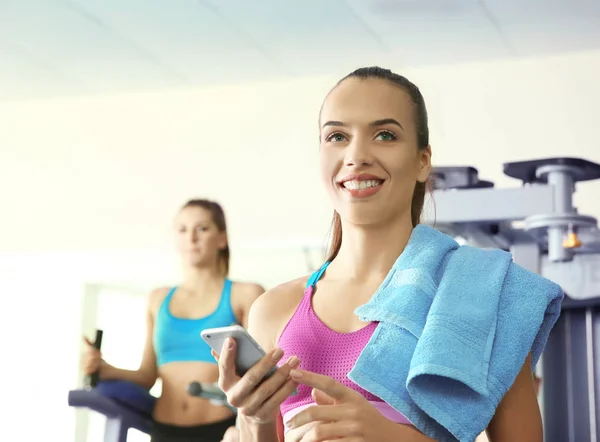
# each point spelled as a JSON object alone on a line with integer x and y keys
{"x": 369, "y": 156}
{"x": 198, "y": 238}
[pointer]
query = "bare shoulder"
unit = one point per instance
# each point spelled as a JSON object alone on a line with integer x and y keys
{"x": 281, "y": 296}
{"x": 243, "y": 295}
{"x": 271, "y": 312}
{"x": 156, "y": 297}
{"x": 247, "y": 289}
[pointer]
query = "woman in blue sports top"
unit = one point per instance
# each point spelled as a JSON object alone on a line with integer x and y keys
{"x": 174, "y": 351}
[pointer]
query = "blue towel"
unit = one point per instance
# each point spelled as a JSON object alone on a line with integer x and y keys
{"x": 456, "y": 324}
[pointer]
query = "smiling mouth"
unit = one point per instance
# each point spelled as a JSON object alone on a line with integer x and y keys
{"x": 361, "y": 184}
{"x": 361, "y": 188}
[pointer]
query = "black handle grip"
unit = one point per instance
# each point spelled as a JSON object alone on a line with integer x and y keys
{"x": 195, "y": 389}
{"x": 92, "y": 380}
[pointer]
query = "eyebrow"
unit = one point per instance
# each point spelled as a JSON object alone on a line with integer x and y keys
{"x": 372, "y": 124}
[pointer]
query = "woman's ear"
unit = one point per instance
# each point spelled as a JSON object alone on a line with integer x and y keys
{"x": 424, "y": 164}
{"x": 223, "y": 242}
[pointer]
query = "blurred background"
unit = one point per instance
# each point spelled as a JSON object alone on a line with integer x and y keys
{"x": 114, "y": 113}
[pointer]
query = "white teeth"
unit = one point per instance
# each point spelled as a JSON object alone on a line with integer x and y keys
{"x": 360, "y": 185}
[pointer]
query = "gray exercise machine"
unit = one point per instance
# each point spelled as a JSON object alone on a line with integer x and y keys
{"x": 539, "y": 225}
{"x": 126, "y": 405}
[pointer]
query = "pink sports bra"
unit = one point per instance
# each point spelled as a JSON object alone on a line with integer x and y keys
{"x": 324, "y": 351}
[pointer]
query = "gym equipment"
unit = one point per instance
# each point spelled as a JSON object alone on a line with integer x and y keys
{"x": 210, "y": 392}
{"x": 545, "y": 233}
{"x": 124, "y": 404}
{"x": 92, "y": 380}
{"x": 127, "y": 405}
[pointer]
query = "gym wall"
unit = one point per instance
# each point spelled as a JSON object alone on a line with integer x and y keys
{"x": 89, "y": 187}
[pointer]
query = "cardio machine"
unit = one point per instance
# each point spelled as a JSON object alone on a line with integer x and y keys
{"x": 126, "y": 405}
{"x": 539, "y": 225}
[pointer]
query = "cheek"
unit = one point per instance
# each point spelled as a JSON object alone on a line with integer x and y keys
{"x": 210, "y": 240}
{"x": 179, "y": 242}
{"x": 403, "y": 167}
{"x": 404, "y": 175}
{"x": 329, "y": 165}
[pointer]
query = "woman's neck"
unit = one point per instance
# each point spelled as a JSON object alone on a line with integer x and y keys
{"x": 202, "y": 279}
{"x": 370, "y": 251}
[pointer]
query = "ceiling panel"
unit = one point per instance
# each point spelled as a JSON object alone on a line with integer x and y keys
{"x": 549, "y": 26}
{"x": 539, "y": 13}
{"x": 65, "y": 46}
{"x": 77, "y": 47}
{"x": 187, "y": 37}
{"x": 55, "y": 32}
{"x": 433, "y": 31}
{"x": 24, "y": 74}
{"x": 307, "y": 35}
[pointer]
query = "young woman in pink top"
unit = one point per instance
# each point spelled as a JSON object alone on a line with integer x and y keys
{"x": 375, "y": 162}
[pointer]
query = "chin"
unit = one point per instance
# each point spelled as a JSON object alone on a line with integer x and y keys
{"x": 194, "y": 261}
{"x": 361, "y": 216}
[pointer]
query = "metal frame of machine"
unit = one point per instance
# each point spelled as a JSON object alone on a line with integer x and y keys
{"x": 544, "y": 232}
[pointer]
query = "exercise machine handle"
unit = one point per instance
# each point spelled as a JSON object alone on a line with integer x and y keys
{"x": 206, "y": 391}
{"x": 211, "y": 392}
{"x": 91, "y": 381}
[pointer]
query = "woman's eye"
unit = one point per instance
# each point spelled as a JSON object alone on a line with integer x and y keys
{"x": 336, "y": 138}
{"x": 386, "y": 136}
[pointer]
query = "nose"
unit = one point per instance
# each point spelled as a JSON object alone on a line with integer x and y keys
{"x": 357, "y": 154}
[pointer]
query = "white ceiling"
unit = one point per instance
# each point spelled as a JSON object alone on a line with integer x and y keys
{"x": 76, "y": 47}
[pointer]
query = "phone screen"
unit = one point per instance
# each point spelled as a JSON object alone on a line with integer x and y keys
{"x": 248, "y": 351}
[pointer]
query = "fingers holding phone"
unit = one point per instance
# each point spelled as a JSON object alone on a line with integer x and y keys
{"x": 262, "y": 389}
{"x": 228, "y": 375}
{"x": 250, "y": 378}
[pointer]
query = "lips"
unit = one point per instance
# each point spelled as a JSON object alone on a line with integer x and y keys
{"x": 361, "y": 185}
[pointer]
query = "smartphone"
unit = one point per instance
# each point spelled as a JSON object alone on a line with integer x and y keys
{"x": 248, "y": 351}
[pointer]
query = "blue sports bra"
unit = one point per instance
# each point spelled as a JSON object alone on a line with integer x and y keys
{"x": 178, "y": 339}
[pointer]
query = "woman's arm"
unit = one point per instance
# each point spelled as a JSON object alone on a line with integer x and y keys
{"x": 267, "y": 317}
{"x": 261, "y": 327}
{"x": 146, "y": 375}
{"x": 518, "y": 415}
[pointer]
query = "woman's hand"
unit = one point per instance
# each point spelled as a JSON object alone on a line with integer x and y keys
{"x": 340, "y": 414}
{"x": 92, "y": 358}
{"x": 231, "y": 435}
{"x": 255, "y": 397}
